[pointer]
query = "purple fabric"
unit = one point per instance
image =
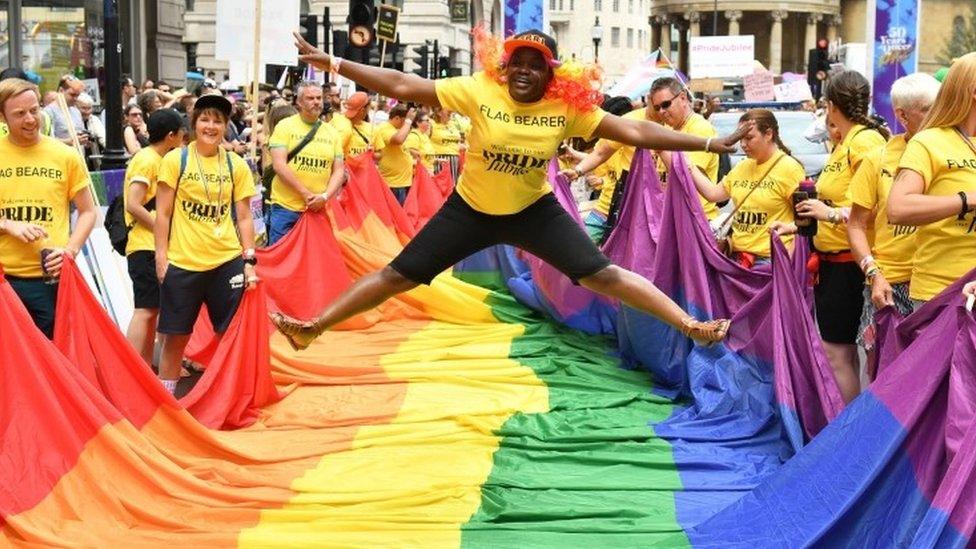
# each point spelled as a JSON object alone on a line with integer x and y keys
{"x": 767, "y": 310}
{"x": 633, "y": 240}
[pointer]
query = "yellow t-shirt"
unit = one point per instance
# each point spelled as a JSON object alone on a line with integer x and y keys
{"x": 418, "y": 141}
{"x": 312, "y": 166}
{"x": 611, "y": 171}
{"x": 351, "y": 137}
{"x": 771, "y": 201}
{"x": 894, "y": 245}
{"x": 944, "y": 250}
{"x": 143, "y": 169}
{"x": 510, "y": 143}
{"x": 833, "y": 187}
{"x": 705, "y": 161}
{"x": 396, "y": 164}
{"x": 625, "y": 152}
{"x": 37, "y": 184}
{"x": 446, "y": 138}
{"x": 202, "y": 234}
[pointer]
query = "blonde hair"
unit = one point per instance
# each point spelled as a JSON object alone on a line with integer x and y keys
{"x": 955, "y": 100}
{"x": 12, "y": 87}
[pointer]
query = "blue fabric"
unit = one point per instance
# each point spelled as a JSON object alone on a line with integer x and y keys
{"x": 400, "y": 193}
{"x": 280, "y": 222}
{"x": 596, "y": 225}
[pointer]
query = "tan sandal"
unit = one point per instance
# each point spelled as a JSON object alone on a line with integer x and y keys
{"x": 707, "y": 332}
{"x": 298, "y": 333}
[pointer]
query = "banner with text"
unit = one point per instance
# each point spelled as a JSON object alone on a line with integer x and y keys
{"x": 523, "y": 15}
{"x": 721, "y": 56}
{"x": 895, "y": 51}
{"x": 235, "y": 32}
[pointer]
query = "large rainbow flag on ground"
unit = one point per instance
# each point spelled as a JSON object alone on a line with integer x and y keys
{"x": 454, "y": 415}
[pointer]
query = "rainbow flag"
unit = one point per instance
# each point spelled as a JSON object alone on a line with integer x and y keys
{"x": 639, "y": 78}
{"x": 455, "y": 416}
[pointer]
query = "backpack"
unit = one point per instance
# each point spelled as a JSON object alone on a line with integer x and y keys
{"x": 118, "y": 229}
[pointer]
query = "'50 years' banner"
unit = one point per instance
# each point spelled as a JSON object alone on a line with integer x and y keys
{"x": 895, "y": 50}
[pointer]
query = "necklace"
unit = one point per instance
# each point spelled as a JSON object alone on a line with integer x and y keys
{"x": 218, "y": 229}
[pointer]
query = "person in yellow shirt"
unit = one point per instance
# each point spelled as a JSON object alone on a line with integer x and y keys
{"x": 935, "y": 187}
{"x": 419, "y": 144}
{"x": 395, "y": 162}
{"x": 166, "y": 132}
{"x": 308, "y": 162}
{"x": 446, "y": 137}
{"x": 41, "y": 178}
{"x": 839, "y": 292}
{"x": 760, "y": 186}
{"x": 610, "y": 161}
{"x": 503, "y": 195}
{"x": 886, "y": 259}
{"x": 355, "y": 131}
{"x": 204, "y": 251}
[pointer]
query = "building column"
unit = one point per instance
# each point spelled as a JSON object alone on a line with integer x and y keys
{"x": 776, "y": 41}
{"x": 733, "y": 16}
{"x": 665, "y": 24}
{"x": 683, "y": 38}
{"x": 810, "y": 40}
{"x": 655, "y": 34}
{"x": 694, "y": 23}
{"x": 833, "y": 22}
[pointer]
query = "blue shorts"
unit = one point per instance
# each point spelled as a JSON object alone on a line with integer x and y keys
{"x": 281, "y": 220}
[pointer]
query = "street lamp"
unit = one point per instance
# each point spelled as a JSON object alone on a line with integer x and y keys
{"x": 597, "y": 36}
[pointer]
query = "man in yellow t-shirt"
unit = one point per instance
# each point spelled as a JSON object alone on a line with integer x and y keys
{"x": 884, "y": 250}
{"x": 40, "y": 178}
{"x": 305, "y": 180}
{"x": 395, "y": 162}
{"x": 504, "y": 195}
{"x": 166, "y": 131}
{"x": 355, "y": 133}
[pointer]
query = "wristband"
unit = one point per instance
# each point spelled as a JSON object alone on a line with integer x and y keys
{"x": 334, "y": 63}
{"x": 874, "y": 270}
{"x": 248, "y": 253}
{"x": 579, "y": 172}
{"x": 868, "y": 259}
{"x": 708, "y": 145}
{"x": 965, "y": 206}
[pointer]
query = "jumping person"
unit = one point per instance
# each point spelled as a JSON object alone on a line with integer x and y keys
{"x": 522, "y": 107}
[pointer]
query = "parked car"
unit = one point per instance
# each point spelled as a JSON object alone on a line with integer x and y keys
{"x": 792, "y": 125}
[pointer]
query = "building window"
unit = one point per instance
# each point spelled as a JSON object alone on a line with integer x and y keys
{"x": 191, "y": 56}
{"x": 616, "y": 6}
{"x": 630, "y": 6}
{"x": 572, "y": 5}
{"x": 598, "y": 5}
{"x": 560, "y": 5}
{"x": 630, "y": 38}
{"x": 189, "y": 5}
{"x": 552, "y": 5}
{"x": 615, "y": 37}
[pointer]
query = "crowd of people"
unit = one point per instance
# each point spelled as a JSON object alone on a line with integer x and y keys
{"x": 889, "y": 217}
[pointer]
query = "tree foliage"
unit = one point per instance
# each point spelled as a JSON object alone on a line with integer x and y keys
{"x": 962, "y": 40}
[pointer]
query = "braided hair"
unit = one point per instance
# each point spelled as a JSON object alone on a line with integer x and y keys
{"x": 850, "y": 93}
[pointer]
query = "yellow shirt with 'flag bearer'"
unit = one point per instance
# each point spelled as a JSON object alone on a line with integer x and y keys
{"x": 894, "y": 245}
{"x": 772, "y": 200}
{"x": 944, "y": 250}
{"x": 510, "y": 143}
{"x": 396, "y": 164}
{"x": 202, "y": 235}
{"x": 37, "y": 183}
{"x": 833, "y": 186}
{"x": 143, "y": 169}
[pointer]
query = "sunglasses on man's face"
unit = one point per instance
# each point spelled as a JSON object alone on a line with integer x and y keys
{"x": 665, "y": 104}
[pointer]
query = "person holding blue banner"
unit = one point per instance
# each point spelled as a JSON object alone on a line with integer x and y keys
{"x": 522, "y": 107}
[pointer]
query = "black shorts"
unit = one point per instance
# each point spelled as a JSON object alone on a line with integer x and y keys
{"x": 457, "y": 230}
{"x": 145, "y": 285}
{"x": 839, "y": 296}
{"x": 182, "y": 292}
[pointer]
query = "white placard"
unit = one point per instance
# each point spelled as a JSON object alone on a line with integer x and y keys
{"x": 798, "y": 90}
{"x": 759, "y": 86}
{"x": 721, "y": 56}
{"x": 235, "y": 31}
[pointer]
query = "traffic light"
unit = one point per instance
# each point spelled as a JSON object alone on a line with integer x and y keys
{"x": 420, "y": 55}
{"x": 443, "y": 67}
{"x": 362, "y": 17}
{"x": 309, "y": 29}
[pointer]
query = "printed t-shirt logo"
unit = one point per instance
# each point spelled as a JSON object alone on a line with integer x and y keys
{"x": 959, "y": 164}
{"x": 512, "y": 163}
{"x": 209, "y": 212}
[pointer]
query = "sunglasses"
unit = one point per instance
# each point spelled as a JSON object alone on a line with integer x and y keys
{"x": 135, "y": 114}
{"x": 665, "y": 104}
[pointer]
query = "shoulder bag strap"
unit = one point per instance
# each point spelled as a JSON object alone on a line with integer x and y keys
{"x": 305, "y": 140}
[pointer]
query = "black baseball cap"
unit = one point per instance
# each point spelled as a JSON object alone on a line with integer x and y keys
{"x": 214, "y": 101}
{"x": 535, "y": 39}
{"x": 164, "y": 122}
